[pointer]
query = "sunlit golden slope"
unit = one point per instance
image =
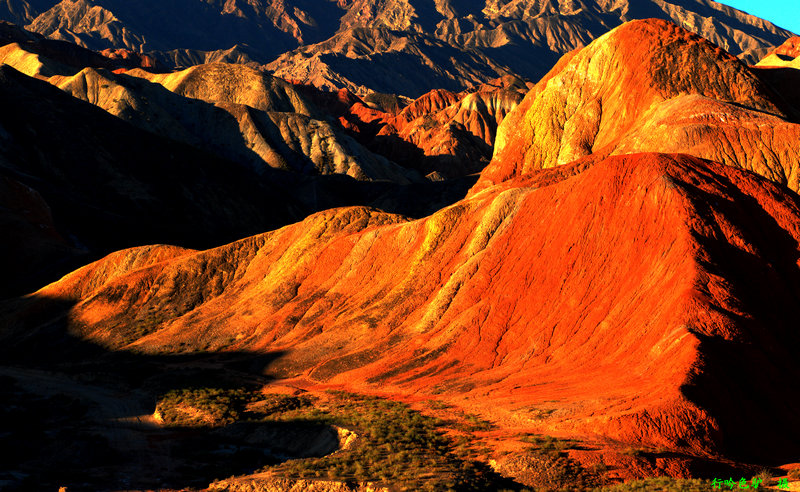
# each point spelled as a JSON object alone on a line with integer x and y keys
{"x": 650, "y": 86}
{"x": 631, "y": 296}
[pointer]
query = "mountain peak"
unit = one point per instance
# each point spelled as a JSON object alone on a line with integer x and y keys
{"x": 588, "y": 102}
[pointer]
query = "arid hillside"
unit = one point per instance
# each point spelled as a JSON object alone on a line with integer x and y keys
{"x": 520, "y": 37}
{"x": 650, "y": 86}
{"x": 637, "y": 320}
{"x": 113, "y": 160}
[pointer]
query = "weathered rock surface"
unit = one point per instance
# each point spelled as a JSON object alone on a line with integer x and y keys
{"x": 650, "y": 86}
{"x": 441, "y": 133}
{"x": 635, "y": 295}
{"x": 526, "y": 37}
{"x": 406, "y": 47}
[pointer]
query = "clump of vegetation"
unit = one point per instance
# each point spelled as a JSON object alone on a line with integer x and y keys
{"x": 661, "y": 484}
{"x": 548, "y": 445}
{"x": 765, "y": 476}
{"x": 195, "y": 407}
{"x": 396, "y": 445}
{"x": 547, "y": 464}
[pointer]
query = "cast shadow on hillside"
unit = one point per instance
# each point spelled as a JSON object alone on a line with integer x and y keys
{"x": 82, "y": 416}
{"x": 785, "y": 82}
{"x": 760, "y": 356}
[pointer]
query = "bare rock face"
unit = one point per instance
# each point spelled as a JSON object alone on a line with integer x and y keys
{"x": 406, "y": 47}
{"x": 649, "y": 86}
{"x": 527, "y": 37}
{"x": 441, "y": 134}
{"x": 642, "y": 315}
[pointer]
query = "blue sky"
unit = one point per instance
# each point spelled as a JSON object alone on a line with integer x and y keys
{"x": 782, "y": 13}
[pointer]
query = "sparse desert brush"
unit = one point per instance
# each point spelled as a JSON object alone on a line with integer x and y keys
{"x": 397, "y": 445}
{"x": 547, "y": 445}
{"x": 765, "y": 475}
{"x": 598, "y": 468}
{"x": 660, "y": 484}
{"x": 202, "y": 406}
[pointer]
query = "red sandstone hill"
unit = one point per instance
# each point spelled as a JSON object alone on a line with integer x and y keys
{"x": 790, "y": 49}
{"x": 441, "y": 133}
{"x": 647, "y": 299}
{"x": 650, "y": 86}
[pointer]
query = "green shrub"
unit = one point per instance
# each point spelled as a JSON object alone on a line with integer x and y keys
{"x": 202, "y": 407}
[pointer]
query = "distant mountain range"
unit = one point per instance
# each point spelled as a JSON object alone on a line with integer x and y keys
{"x": 405, "y": 47}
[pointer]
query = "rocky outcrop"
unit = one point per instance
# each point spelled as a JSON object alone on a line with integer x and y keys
{"x": 785, "y": 55}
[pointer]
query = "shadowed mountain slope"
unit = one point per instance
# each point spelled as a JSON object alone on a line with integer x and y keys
{"x": 109, "y": 185}
{"x": 640, "y": 318}
{"x": 233, "y": 111}
{"x": 650, "y": 86}
{"x": 383, "y": 60}
{"x": 266, "y": 27}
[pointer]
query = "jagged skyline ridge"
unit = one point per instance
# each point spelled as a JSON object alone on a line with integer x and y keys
{"x": 336, "y": 44}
